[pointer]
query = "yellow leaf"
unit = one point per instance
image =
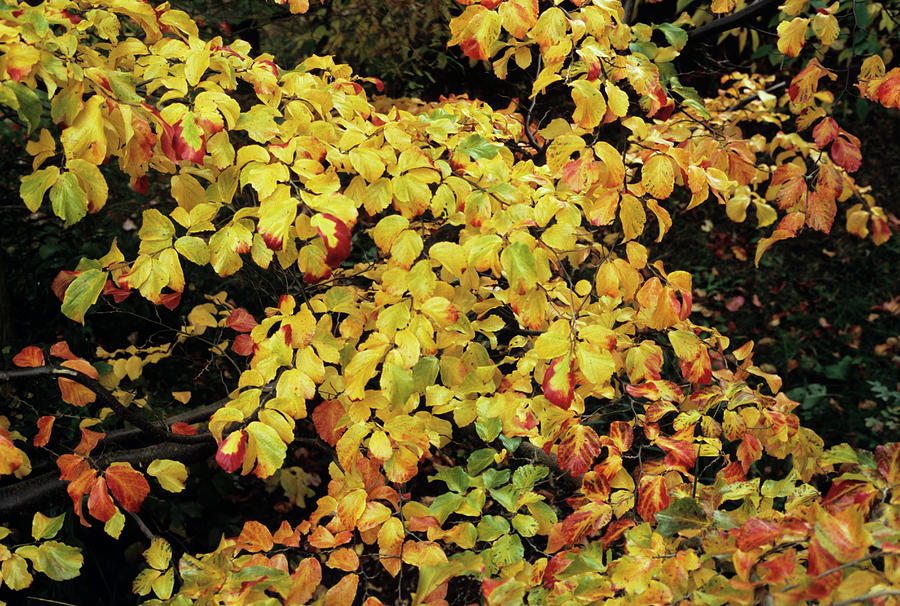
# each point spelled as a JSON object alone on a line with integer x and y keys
{"x": 792, "y": 35}
{"x": 85, "y": 139}
{"x": 632, "y": 216}
{"x": 170, "y": 474}
{"x": 658, "y": 176}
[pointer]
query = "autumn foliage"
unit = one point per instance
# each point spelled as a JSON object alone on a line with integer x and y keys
{"x": 511, "y": 390}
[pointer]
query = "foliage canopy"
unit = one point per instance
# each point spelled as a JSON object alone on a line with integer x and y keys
{"x": 510, "y": 390}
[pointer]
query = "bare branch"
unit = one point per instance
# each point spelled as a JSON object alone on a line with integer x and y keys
{"x": 738, "y": 19}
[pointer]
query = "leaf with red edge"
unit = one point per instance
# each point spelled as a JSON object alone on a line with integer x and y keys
{"x": 578, "y": 448}
{"x": 230, "y": 454}
{"x": 100, "y": 504}
{"x": 61, "y": 350}
{"x": 820, "y": 210}
{"x": 326, "y": 417}
{"x": 335, "y": 235}
{"x": 240, "y": 320}
{"x": 846, "y": 154}
{"x": 75, "y": 393}
{"x": 819, "y": 562}
{"x": 128, "y": 485}
{"x": 559, "y": 383}
{"x": 693, "y": 356}
{"x": 622, "y": 435}
{"x": 653, "y": 496}
{"x": 476, "y": 31}
{"x": 184, "y": 429}
{"x": 29, "y": 357}
{"x": 11, "y": 458}
{"x": 45, "y": 426}
{"x": 118, "y": 294}
{"x": 243, "y": 345}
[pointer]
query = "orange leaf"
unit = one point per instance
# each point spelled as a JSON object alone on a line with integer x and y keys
{"x": 757, "y": 532}
{"x": 89, "y": 439}
{"x": 129, "y": 486}
{"x": 70, "y": 466}
{"x": 843, "y": 534}
{"x": 79, "y": 487}
{"x": 29, "y": 357}
{"x": 825, "y": 131}
{"x": 243, "y": 345}
{"x": 351, "y": 506}
{"x": 325, "y": 417}
{"x": 344, "y": 592}
{"x": 100, "y": 504}
{"x": 61, "y": 350}
{"x": 184, "y": 429}
{"x": 578, "y": 449}
{"x": 653, "y": 496}
{"x": 255, "y": 537}
{"x": 75, "y": 393}
{"x": 45, "y": 426}
{"x": 11, "y": 458}
{"x": 343, "y": 559}
{"x": 306, "y": 578}
{"x": 846, "y": 154}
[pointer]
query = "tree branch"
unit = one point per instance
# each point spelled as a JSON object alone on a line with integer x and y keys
{"x": 732, "y": 21}
{"x": 35, "y": 492}
{"x": 106, "y": 397}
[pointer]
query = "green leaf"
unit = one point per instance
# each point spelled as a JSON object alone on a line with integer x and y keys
{"x": 478, "y": 147}
{"x": 82, "y": 293}
{"x": 122, "y": 84}
{"x": 401, "y": 384}
{"x": 507, "y": 550}
{"x": 27, "y": 104}
{"x": 444, "y": 505}
{"x": 43, "y": 527}
{"x": 425, "y": 372}
{"x": 507, "y": 497}
{"x": 525, "y": 525}
{"x": 58, "y": 561}
{"x": 479, "y": 460}
{"x": 495, "y": 477}
{"x": 682, "y": 514}
{"x": 675, "y": 36}
{"x": 526, "y": 476}
{"x": 456, "y": 479}
{"x": 69, "y": 201}
{"x": 488, "y": 428}
{"x": 492, "y": 527}
{"x": 691, "y": 98}
{"x": 34, "y": 186}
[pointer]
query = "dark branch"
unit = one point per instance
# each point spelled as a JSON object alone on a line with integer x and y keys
{"x": 36, "y": 492}
{"x": 738, "y": 19}
{"x": 106, "y": 397}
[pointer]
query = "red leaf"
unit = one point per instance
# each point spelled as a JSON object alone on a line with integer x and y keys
{"x": 230, "y": 454}
{"x": 29, "y": 357}
{"x": 61, "y": 350}
{"x": 45, "y": 426}
{"x": 110, "y": 288}
{"x": 749, "y": 451}
{"x": 243, "y": 345}
{"x": 71, "y": 466}
{"x": 240, "y": 320}
{"x": 129, "y": 486}
{"x": 100, "y": 504}
{"x": 653, "y": 496}
{"x": 184, "y": 429}
{"x": 756, "y": 533}
{"x": 326, "y": 417}
{"x": 825, "y": 131}
{"x": 846, "y": 154}
{"x": 169, "y": 300}
{"x": 889, "y": 91}
{"x": 888, "y": 459}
